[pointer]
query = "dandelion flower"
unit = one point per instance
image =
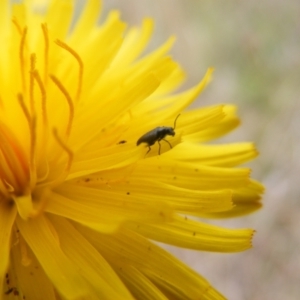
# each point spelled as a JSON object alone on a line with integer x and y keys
{"x": 81, "y": 203}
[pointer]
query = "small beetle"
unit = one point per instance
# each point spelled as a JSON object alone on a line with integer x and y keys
{"x": 156, "y": 135}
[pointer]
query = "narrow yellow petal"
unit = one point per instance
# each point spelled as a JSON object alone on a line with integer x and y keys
{"x": 186, "y": 233}
{"x": 181, "y": 199}
{"x": 93, "y": 266}
{"x": 190, "y": 176}
{"x": 24, "y": 206}
{"x": 119, "y": 98}
{"x": 246, "y": 200}
{"x": 176, "y": 103}
{"x": 62, "y": 206}
{"x": 191, "y": 95}
{"x": 227, "y": 124}
{"x": 238, "y": 210}
{"x": 7, "y": 217}
{"x": 61, "y": 271}
{"x": 134, "y": 43}
{"x": 59, "y": 16}
{"x": 106, "y": 159}
{"x": 86, "y": 22}
{"x": 141, "y": 286}
{"x": 94, "y": 54}
{"x": 126, "y": 248}
{"x": 29, "y": 276}
{"x": 228, "y": 155}
{"x": 93, "y": 203}
{"x": 4, "y": 19}
{"x": 150, "y": 60}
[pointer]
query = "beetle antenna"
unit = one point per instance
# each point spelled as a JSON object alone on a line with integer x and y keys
{"x": 175, "y": 121}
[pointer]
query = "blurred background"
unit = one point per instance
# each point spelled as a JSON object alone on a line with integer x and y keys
{"x": 255, "y": 49}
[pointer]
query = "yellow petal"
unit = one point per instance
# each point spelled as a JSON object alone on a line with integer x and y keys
{"x": 228, "y": 155}
{"x": 141, "y": 286}
{"x": 7, "y": 217}
{"x": 191, "y": 201}
{"x": 94, "y": 54}
{"x": 24, "y": 206}
{"x": 106, "y": 159}
{"x": 59, "y": 18}
{"x": 93, "y": 266}
{"x": 190, "y": 176}
{"x": 134, "y": 43}
{"x": 104, "y": 211}
{"x": 99, "y": 118}
{"x": 186, "y": 233}
{"x": 246, "y": 200}
{"x": 176, "y": 104}
{"x": 127, "y": 248}
{"x": 64, "y": 275}
{"x": 86, "y": 22}
{"x": 227, "y": 124}
{"x": 31, "y": 275}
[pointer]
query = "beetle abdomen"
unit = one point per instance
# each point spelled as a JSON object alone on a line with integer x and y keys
{"x": 148, "y": 138}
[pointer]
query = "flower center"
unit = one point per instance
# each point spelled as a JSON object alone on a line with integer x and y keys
{"x": 35, "y": 156}
{"x": 14, "y": 168}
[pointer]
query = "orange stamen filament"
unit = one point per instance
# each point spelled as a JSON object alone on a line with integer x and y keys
{"x": 22, "y": 59}
{"x": 14, "y": 20}
{"x": 46, "y": 51}
{"x": 80, "y": 63}
{"x": 13, "y": 167}
{"x": 24, "y": 108}
{"x": 31, "y": 83}
{"x": 38, "y": 79}
{"x": 65, "y": 147}
{"x": 32, "y": 126}
{"x": 69, "y": 100}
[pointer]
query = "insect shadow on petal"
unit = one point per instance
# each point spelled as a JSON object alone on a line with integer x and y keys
{"x": 156, "y": 135}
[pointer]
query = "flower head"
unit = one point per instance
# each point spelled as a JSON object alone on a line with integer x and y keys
{"x": 79, "y": 200}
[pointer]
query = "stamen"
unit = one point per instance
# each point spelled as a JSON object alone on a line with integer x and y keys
{"x": 80, "y": 63}
{"x": 24, "y": 108}
{"x": 22, "y": 59}
{"x": 31, "y": 83}
{"x": 32, "y": 126}
{"x": 45, "y": 176}
{"x": 37, "y": 77}
{"x": 46, "y": 51}
{"x": 69, "y": 100}
{"x": 14, "y": 166}
{"x": 32, "y": 151}
{"x": 14, "y": 20}
{"x": 66, "y": 148}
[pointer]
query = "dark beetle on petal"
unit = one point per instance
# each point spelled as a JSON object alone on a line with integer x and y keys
{"x": 156, "y": 135}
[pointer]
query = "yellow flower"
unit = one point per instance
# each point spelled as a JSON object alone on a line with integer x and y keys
{"x": 80, "y": 201}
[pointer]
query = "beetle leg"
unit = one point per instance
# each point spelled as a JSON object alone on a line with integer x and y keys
{"x": 148, "y": 151}
{"x": 168, "y": 143}
{"x": 158, "y": 148}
